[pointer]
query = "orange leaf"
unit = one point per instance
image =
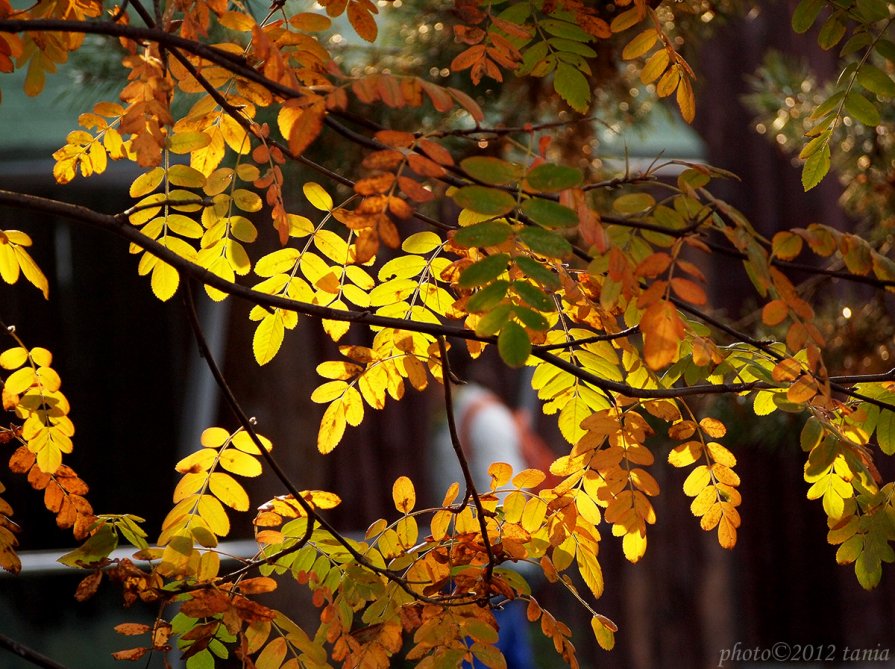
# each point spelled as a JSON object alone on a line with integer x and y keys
{"x": 774, "y": 312}
{"x": 362, "y": 21}
{"x": 688, "y": 290}
{"x": 663, "y": 330}
{"x": 304, "y": 132}
{"x": 468, "y": 58}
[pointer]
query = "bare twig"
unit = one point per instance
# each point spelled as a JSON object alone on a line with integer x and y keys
{"x": 461, "y": 456}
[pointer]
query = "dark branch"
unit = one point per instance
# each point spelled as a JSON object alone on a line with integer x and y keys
{"x": 28, "y": 654}
{"x": 461, "y": 456}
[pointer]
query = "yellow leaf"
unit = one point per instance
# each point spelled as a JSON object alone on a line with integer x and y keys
{"x": 641, "y": 44}
{"x": 441, "y": 522}
{"x": 179, "y": 175}
{"x": 317, "y": 196}
{"x": 268, "y": 338}
{"x": 164, "y": 281}
{"x": 727, "y": 533}
{"x": 19, "y": 381}
{"x": 332, "y": 428}
{"x": 685, "y": 454}
{"x": 31, "y": 271}
{"x": 353, "y": 406}
{"x": 604, "y": 630}
{"x": 214, "y": 437}
{"x": 421, "y": 242}
{"x": 654, "y": 66}
{"x": 529, "y": 478}
{"x": 200, "y": 461}
{"x": 533, "y": 514}
{"x": 407, "y": 531}
{"x": 404, "y": 494}
{"x": 590, "y": 570}
{"x": 273, "y": 654}
{"x": 147, "y": 182}
{"x": 214, "y": 515}
{"x": 244, "y": 442}
{"x": 187, "y": 142}
{"x": 634, "y": 545}
{"x": 13, "y": 358}
{"x": 500, "y": 473}
{"x": 698, "y": 479}
{"x": 238, "y": 462}
{"x": 229, "y": 491}
{"x": 686, "y": 101}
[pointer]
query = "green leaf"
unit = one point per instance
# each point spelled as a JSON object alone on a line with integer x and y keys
{"x": 862, "y": 109}
{"x": 806, "y": 14}
{"x": 816, "y": 168}
{"x": 95, "y": 549}
{"x": 488, "y": 201}
{"x": 873, "y": 10}
{"x": 530, "y": 318}
{"x": 513, "y": 344}
{"x": 494, "y": 320}
{"x": 572, "y": 86}
{"x": 531, "y": 57}
{"x": 484, "y": 271}
{"x": 633, "y": 203}
{"x": 491, "y": 170}
{"x": 828, "y": 105}
{"x": 885, "y": 432}
{"x": 571, "y": 46}
{"x": 876, "y": 81}
{"x": 488, "y": 297}
{"x": 564, "y": 29}
{"x": 856, "y": 42}
{"x": 886, "y": 49}
{"x": 535, "y": 270}
{"x": 832, "y": 31}
{"x": 533, "y": 295}
{"x": 549, "y": 214}
{"x": 549, "y": 178}
{"x": 545, "y": 242}
{"x": 489, "y": 233}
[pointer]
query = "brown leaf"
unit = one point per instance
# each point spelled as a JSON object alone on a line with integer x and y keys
{"x": 204, "y": 603}
{"x": 132, "y": 654}
{"x": 88, "y": 586}
{"x": 132, "y": 629}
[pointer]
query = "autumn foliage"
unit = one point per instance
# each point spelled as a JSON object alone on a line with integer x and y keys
{"x": 596, "y": 279}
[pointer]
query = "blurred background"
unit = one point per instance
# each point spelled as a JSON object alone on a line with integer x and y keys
{"x": 140, "y": 395}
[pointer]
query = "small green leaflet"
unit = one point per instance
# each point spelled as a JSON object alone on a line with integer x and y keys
{"x": 484, "y": 271}
{"x": 572, "y": 86}
{"x": 816, "y": 168}
{"x": 513, "y": 344}
{"x": 549, "y": 214}
{"x": 488, "y": 201}
{"x": 548, "y": 178}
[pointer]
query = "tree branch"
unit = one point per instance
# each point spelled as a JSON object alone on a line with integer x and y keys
{"x": 464, "y": 463}
{"x": 28, "y": 654}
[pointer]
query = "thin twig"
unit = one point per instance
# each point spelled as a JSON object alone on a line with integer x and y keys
{"x": 28, "y": 654}
{"x": 461, "y": 456}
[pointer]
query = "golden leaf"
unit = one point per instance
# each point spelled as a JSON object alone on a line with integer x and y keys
{"x": 332, "y": 428}
{"x": 404, "y": 494}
